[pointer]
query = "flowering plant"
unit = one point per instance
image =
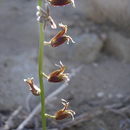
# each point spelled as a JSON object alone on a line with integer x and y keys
{"x": 44, "y": 18}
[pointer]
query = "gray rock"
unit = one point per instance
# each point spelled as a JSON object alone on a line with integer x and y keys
{"x": 110, "y": 78}
{"x": 103, "y": 11}
{"x": 118, "y": 45}
{"x": 88, "y": 48}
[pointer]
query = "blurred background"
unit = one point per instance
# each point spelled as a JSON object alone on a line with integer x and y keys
{"x": 99, "y": 92}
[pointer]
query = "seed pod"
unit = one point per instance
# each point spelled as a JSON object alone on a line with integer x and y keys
{"x": 60, "y": 38}
{"x": 58, "y": 75}
{"x": 61, "y": 2}
{"x": 32, "y": 87}
{"x": 64, "y": 112}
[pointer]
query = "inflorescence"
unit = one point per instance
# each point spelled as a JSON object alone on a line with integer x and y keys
{"x": 43, "y": 16}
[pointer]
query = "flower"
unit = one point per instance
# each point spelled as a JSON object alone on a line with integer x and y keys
{"x": 57, "y": 75}
{"x": 60, "y": 37}
{"x": 32, "y": 87}
{"x": 61, "y": 2}
{"x": 64, "y": 112}
{"x": 44, "y": 17}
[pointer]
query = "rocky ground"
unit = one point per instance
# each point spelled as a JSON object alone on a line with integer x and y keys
{"x": 99, "y": 93}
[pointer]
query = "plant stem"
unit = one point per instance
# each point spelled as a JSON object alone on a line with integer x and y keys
{"x": 40, "y": 69}
{"x": 50, "y": 116}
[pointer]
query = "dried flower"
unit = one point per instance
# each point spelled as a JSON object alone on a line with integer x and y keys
{"x": 44, "y": 17}
{"x": 64, "y": 112}
{"x": 60, "y": 37}
{"x": 58, "y": 75}
{"x": 32, "y": 87}
{"x": 61, "y": 2}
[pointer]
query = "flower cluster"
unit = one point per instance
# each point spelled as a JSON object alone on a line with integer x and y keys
{"x": 58, "y": 75}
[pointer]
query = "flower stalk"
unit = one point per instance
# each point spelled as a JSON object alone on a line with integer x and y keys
{"x": 40, "y": 69}
{"x": 58, "y": 75}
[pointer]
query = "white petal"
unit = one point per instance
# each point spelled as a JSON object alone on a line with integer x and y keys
{"x": 71, "y": 115}
{"x": 38, "y": 19}
{"x": 61, "y": 63}
{"x": 61, "y": 24}
{"x": 63, "y": 100}
{"x": 38, "y": 13}
{"x": 73, "y": 3}
{"x": 38, "y": 8}
{"x": 25, "y": 80}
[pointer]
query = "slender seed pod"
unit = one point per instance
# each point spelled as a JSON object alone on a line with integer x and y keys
{"x": 61, "y": 2}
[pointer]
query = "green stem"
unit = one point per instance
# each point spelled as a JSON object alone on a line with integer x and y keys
{"x": 40, "y": 69}
{"x": 50, "y": 116}
{"x": 44, "y": 75}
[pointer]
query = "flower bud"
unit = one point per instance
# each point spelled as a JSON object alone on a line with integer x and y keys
{"x": 60, "y": 38}
{"x": 61, "y": 2}
{"x": 64, "y": 112}
{"x": 32, "y": 87}
{"x": 58, "y": 75}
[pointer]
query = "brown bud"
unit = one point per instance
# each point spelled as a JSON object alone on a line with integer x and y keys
{"x": 32, "y": 87}
{"x": 64, "y": 112}
{"x": 58, "y": 75}
{"x": 61, "y": 2}
{"x": 60, "y": 38}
